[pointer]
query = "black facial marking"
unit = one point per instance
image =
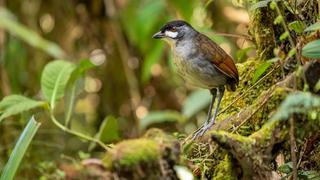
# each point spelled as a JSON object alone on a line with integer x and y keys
{"x": 173, "y": 24}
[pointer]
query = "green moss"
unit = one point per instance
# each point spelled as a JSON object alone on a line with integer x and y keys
{"x": 246, "y": 71}
{"x": 262, "y": 29}
{"x": 132, "y": 152}
{"x": 225, "y": 169}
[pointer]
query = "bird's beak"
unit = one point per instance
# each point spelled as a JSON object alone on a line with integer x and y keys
{"x": 158, "y": 35}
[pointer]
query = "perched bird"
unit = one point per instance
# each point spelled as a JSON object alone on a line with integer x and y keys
{"x": 201, "y": 62}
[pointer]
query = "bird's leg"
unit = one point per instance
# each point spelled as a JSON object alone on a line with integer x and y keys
{"x": 214, "y": 94}
{"x": 220, "y": 95}
{"x": 199, "y": 132}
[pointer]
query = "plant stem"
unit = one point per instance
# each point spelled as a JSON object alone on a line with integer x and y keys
{"x": 293, "y": 149}
{"x": 83, "y": 136}
{"x": 283, "y": 22}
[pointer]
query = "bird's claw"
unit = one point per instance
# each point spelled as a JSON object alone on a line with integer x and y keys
{"x": 200, "y": 132}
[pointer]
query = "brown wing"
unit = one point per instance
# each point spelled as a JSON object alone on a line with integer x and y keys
{"x": 218, "y": 57}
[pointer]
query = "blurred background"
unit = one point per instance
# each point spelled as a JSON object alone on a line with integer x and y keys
{"x": 134, "y": 84}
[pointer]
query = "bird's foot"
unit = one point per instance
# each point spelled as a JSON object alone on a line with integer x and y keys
{"x": 200, "y": 132}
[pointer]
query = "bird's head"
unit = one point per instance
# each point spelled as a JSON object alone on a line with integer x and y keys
{"x": 174, "y": 31}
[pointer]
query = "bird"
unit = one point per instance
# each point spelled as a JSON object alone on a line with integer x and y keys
{"x": 202, "y": 63}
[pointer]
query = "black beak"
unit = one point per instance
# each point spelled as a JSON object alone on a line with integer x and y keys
{"x": 158, "y": 35}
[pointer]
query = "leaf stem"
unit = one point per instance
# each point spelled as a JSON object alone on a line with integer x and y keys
{"x": 83, "y": 136}
{"x": 283, "y": 22}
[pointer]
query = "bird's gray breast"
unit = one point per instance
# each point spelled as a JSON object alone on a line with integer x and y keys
{"x": 194, "y": 68}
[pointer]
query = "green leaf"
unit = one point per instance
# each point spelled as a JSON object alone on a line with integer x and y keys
{"x": 15, "y": 104}
{"x": 286, "y": 168}
{"x": 292, "y": 52}
{"x": 10, "y": 24}
{"x": 273, "y": 5}
{"x": 259, "y": 4}
{"x": 310, "y": 175}
{"x": 284, "y": 36}
{"x": 83, "y": 66}
{"x": 312, "y": 49}
{"x": 109, "y": 130}
{"x": 54, "y": 79}
{"x": 278, "y": 20}
{"x": 19, "y": 150}
{"x": 302, "y": 103}
{"x": 242, "y": 53}
{"x": 288, "y": 7}
{"x": 296, "y": 26}
{"x": 260, "y": 71}
{"x": 160, "y": 117}
{"x": 75, "y": 87}
{"x": 313, "y": 27}
{"x": 195, "y": 102}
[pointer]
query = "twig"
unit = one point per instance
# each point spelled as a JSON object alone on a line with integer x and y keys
{"x": 293, "y": 148}
{"x": 254, "y": 112}
{"x": 245, "y": 93}
{"x": 243, "y": 36}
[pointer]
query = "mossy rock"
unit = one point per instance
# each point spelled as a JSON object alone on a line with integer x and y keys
{"x": 144, "y": 157}
{"x": 129, "y": 153}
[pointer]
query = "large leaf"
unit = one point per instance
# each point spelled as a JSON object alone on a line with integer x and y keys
{"x": 15, "y": 104}
{"x": 19, "y": 150}
{"x": 313, "y": 27}
{"x": 54, "y": 79}
{"x": 195, "y": 102}
{"x": 260, "y": 71}
{"x": 160, "y": 117}
{"x": 109, "y": 130}
{"x": 312, "y": 49}
{"x": 302, "y": 102}
{"x": 10, "y": 24}
{"x": 75, "y": 87}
